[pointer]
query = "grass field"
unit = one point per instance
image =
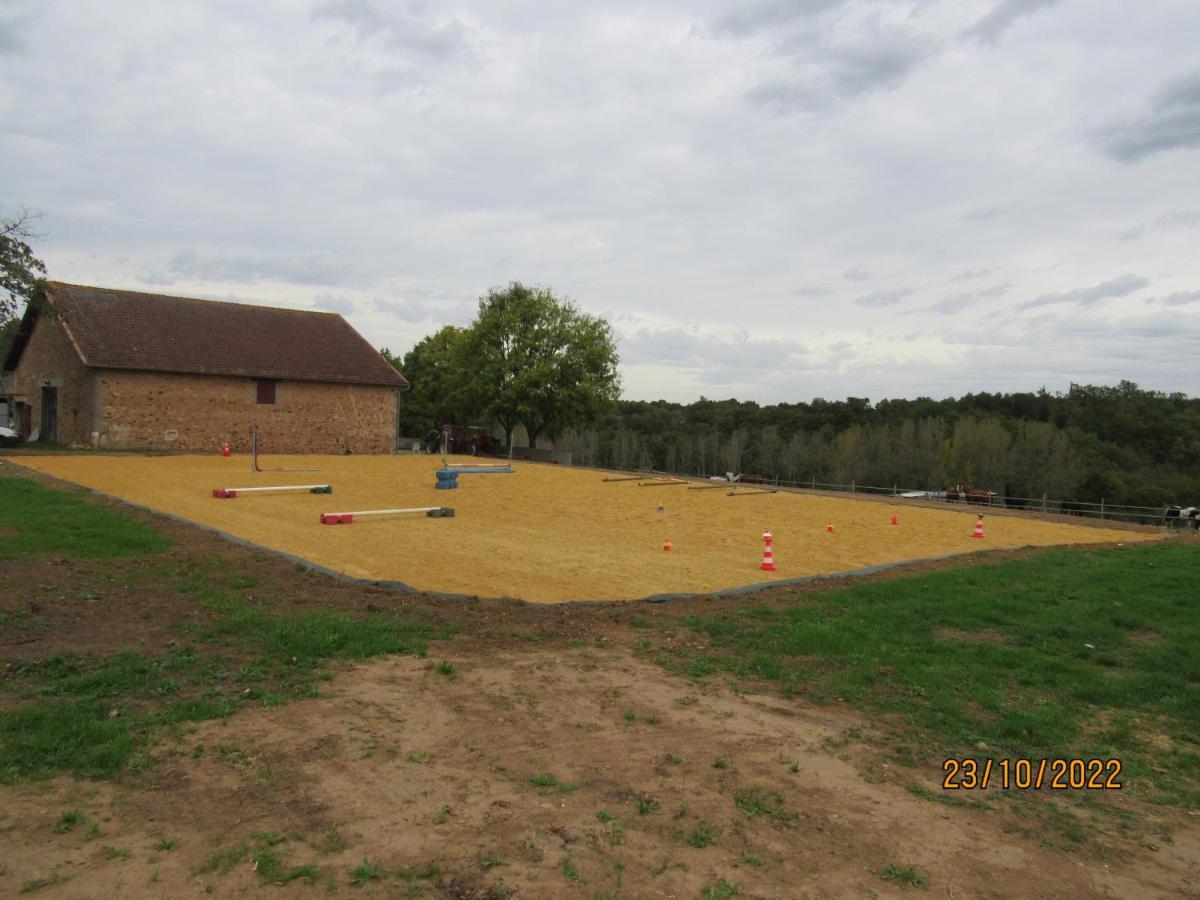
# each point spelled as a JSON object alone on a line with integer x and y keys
{"x": 234, "y": 723}
{"x": 547, "y": 534}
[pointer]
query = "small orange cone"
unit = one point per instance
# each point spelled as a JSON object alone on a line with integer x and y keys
{"x": 978, "y": 527}
{"x": 895, "y": 521}
{"x": 225, "y": 448}
{"x": 829, "y": 528}
{"x": 666, "y": 545}
{"x": 768, "y": 562}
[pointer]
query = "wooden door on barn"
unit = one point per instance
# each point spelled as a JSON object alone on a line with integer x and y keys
{"x": 50, "y": 414}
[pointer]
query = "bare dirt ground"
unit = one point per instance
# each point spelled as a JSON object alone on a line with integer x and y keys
{"x": 554, "y": 760}
{"x": 548, "y": 534}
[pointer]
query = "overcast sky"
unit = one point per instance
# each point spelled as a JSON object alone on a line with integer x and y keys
{"x": 769, "y": 200}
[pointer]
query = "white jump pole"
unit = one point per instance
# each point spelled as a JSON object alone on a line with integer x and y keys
{"x": 347, "y": 518}
{"x": 230, "y": 493}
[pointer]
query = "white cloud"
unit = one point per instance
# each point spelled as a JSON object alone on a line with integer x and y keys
{"x": 778, "y": 199}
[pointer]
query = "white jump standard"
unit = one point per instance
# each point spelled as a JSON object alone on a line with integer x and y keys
{"x": 347, "y": 518}
{"x": 230, "y": 493}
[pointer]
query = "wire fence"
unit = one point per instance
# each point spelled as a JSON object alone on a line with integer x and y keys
{"x": 1114, "y": 512}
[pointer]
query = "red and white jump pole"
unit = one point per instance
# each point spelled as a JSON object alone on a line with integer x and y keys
{"x": 230, "y": 493}
{"x": 347, "y": 518}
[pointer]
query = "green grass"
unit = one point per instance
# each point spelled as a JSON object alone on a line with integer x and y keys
{"x": 756, "y": 801}
{"x": 364, "y": 872}
{"x": 701, "y": 836}
{"x": 719, "y": 890}
{"x": 44, "y": 520}
{"x": 905, "y": 876}
{"x": 1067, "y": 652}
{"x": 91, "y": 717}
{"x": 546, "y": 780}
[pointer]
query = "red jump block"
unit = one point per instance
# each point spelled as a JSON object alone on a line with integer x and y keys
{"x": 337, "y": 518}
{"x": 224, "y": 493}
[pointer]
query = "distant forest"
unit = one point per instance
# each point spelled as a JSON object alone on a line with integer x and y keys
{"x": 1121, "y": 444}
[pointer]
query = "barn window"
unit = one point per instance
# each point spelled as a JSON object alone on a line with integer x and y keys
{"x": 266, "y": 391}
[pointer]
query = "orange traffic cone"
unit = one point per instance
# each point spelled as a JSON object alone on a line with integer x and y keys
{"x": 225, "y": 448}
{"x": 978, "y": 527}
{"x": 666, "y": 545}
{"x": 768, "y": 562}
{"x": 829, "y": 528}
{"x": 895, "y": 521}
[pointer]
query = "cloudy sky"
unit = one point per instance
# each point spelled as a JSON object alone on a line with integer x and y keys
{"x": 768, "y": 200}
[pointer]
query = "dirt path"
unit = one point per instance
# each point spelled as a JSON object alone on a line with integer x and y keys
{"x": 432, "y": 775}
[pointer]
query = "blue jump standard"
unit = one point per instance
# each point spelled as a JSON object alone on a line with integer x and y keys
{"x": 447, "y": 479}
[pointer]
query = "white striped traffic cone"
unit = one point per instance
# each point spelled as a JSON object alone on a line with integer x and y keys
{"x": 978, "y": 527}
{"x": 768, "y": 562}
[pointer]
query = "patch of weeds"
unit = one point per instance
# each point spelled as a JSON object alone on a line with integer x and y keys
{"x": 660, "y": 868}
{"x": 489, "y": 862}
{"x": 68, "y": 820}
{"x": 266, "y": 863}
{"x": 546, "y": 780}
{"x": 640, "y": 623}
{"x": 364, "y": 872}
{"x": 423, "y": 871}
{"x": 686, "y": 701}
{"x": 795, "y": 767}
{"x": 751, "y": 859}
{"x": 605, "y": 816}
{"x": 443, "y": 815}
{"x": 37, "y": 884}
{"x": 166, "y": 843}
{"x": 756, "y": 801}
{"x": 569, "y": 870}
{"x": 418, "y": 756}
{"x": 719, "y": 890}
{"x": 646, "y": 805}
{"x": 905, "y": 876}
{"x": 93, "y": 831}
{"x": 643, "y": 646}
{"x": 629, "y": 717}
{"x": 445, "y": 667}
{"x": 224, "y": 860}
{"x": 651, "y": 720}
{"x": 110, "y": 852}
{"x": 674, "y": 759}
{"x": 701, "y": 836}
{"x": 616, "y": 833}
{"x": 720, "y": 763}
{"x": 271, "y": 838}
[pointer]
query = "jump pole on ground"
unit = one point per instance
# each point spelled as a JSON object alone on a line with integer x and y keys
{"x": 347, "y": 518}
{"x": 230, "y": 493}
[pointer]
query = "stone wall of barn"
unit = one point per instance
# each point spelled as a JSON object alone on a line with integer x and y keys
{"x": 50, "y": 360}
{"x": 196, "y": 413}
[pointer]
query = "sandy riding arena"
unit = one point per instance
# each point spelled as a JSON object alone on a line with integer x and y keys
{"x": 543, "y": 533}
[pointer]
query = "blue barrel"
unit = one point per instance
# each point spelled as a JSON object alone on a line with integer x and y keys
{"x": 447, "y": 479}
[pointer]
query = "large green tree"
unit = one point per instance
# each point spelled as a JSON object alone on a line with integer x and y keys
{"x": 22, "y": 275}
{"x": 539, "y": 361}
{"x": 437, "y": 372}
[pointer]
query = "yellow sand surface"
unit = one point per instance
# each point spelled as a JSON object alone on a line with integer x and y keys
{"x": 545, "y": 533}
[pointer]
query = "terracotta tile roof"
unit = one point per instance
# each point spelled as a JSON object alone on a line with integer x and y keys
{"x": 132, "y": 330}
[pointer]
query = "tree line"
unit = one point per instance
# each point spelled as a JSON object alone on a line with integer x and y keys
{"x": 1122, "y": 444}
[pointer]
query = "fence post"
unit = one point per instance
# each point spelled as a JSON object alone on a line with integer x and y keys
{"x": 814, "y": 482}
{"x": 852, "y": 485}
{"x": 895, "y": 491}
{"x": 1043, "y": 501}
{"x": 1101, "y": 508}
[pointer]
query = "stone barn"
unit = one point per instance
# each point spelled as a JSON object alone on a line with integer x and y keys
{"x": 128, "y": 370}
